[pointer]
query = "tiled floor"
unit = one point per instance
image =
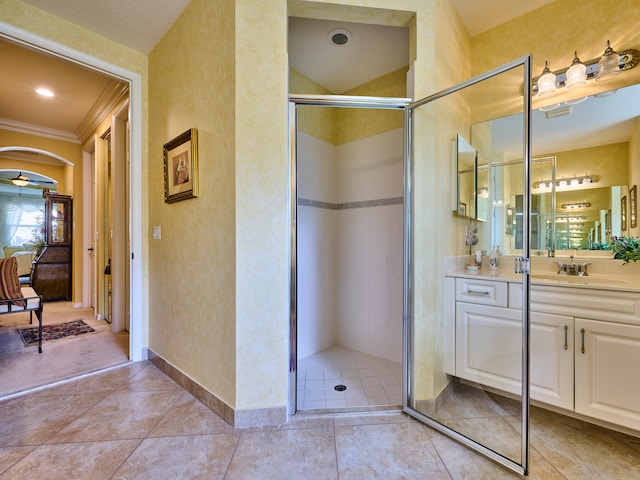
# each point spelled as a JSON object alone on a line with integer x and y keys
{"x": 369, "y": 381}
{"x": 133, "y": 422}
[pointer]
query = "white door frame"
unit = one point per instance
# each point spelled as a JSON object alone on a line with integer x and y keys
{"x": 137, "y": 350}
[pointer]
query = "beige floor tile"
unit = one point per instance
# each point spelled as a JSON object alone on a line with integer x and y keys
{"x": 285, "y": 454}
{"x": 86, "y": 461}
{"x": 10, "y": 455}
{"x": 190, "y": 417}
{"x": 371, "y": 419}
{"x": 106, "y": 381}
{"x": 183, "y": 457}
{"x": 465, "y": 464}
{"x": 495, "y": 433}
{"x": 583, "y": 451}
{"x": 390, "y": 451}
{"x": 150, "y": 379}
{"x": 119, "y": 416}
{"x": 31, "y": 420}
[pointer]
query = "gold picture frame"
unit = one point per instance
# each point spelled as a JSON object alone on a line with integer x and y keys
{"x": 181, "y": 167}
{"x": 633, "y": 206}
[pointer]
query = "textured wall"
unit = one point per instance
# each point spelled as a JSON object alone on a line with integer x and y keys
{"x": 191, "y": 269}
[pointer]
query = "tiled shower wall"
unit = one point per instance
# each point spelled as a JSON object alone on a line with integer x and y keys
{"x": 350, "y": 235}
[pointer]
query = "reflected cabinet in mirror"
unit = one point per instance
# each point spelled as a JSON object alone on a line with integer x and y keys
{"x": 582, "y": 157}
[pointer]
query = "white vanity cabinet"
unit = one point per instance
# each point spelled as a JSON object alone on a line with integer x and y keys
{"x": 489, "y": 343}
{"x": 584, "y": 344}
{"x": 607, "y": 371}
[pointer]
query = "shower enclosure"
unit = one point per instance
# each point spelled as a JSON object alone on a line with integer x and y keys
{"x": 494, "y": 422}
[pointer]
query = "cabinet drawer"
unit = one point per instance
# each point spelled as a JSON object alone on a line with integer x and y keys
{"x": 483, "y": 292}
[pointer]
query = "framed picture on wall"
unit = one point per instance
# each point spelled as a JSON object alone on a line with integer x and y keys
{"x": 623, "y": 213}
{"x": 633, "y": 206}
{"x": 181, "y": 167}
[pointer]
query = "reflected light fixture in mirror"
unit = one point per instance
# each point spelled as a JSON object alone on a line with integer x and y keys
{"x": 576, "y": 206}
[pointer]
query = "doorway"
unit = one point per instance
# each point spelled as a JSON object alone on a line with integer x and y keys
{"x": 133, "y": 142}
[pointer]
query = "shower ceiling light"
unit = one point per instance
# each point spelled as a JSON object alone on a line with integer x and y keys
{"x": 339, "y": 37}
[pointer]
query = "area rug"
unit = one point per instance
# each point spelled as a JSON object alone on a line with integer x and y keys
{"x": 54, "y": 332}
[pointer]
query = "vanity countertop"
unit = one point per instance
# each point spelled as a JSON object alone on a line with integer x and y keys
{"x": 627, "y": 283}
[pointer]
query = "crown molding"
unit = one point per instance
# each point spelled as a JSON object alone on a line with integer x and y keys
{"x": 112, "y": 95}
{"x": 29, "y": 129}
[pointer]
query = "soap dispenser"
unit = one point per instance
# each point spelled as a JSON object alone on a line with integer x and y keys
{"x": 493, "y": 259}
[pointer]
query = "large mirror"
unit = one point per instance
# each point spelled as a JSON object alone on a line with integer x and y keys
{"x": 579, "y": 178}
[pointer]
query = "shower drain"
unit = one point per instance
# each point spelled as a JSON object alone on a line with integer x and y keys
{"x": 340, "y": 388}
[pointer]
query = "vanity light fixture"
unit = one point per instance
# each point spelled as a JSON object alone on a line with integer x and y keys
{"x": 607, "y": 66}
{"x": 576, "y": 206}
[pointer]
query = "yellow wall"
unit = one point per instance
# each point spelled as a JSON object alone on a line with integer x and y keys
{"x": 343, "y": 125}
{"x": 192, "y": 268}
{"x": 354, "y": 124}
{"x": 608, "y": 162}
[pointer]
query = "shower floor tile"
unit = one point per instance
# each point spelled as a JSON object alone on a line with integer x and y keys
{"x": 370, "y": 381}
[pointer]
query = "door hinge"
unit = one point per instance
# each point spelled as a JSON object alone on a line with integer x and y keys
{"x": 522, "y": 265}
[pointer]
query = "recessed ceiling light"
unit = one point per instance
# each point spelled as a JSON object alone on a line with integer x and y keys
{"x": 45, "y": 92}
{"x": 339, "y": 36}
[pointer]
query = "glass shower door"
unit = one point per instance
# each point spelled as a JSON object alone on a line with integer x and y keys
{"x": 466, "y": 339}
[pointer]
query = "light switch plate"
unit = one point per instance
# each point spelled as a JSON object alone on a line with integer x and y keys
{"x": 157, "y": 233}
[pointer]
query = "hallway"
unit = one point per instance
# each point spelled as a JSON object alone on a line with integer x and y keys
{"x": 134, "y": 422}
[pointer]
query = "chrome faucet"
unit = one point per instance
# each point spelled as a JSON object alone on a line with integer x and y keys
{"x": 572, "y": 268}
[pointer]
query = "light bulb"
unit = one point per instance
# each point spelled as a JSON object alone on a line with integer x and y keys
{"x": 608, "y": 65}
{"x": 577, "y": 74}
{"x": 546, "y": 82}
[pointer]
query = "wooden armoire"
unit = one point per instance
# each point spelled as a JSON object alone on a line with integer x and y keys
{"x": 51, "y": 271}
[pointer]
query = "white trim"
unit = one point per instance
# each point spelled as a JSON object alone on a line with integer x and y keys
{"x": 29, "y": 129}
{"x": 17, "y": 148}
{"x": 137, "y": 350}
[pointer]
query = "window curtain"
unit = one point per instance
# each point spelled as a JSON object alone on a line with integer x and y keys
{"x": 11, "y": 208}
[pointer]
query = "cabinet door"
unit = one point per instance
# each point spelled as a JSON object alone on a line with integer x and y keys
{"x": 488, "y": 346}
{"x": 607, "y": 358}
{"x": 551, "y": 354}
{"x": 486, "y": 351}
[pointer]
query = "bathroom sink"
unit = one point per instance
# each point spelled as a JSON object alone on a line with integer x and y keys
{"x": 590, "y": 279}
